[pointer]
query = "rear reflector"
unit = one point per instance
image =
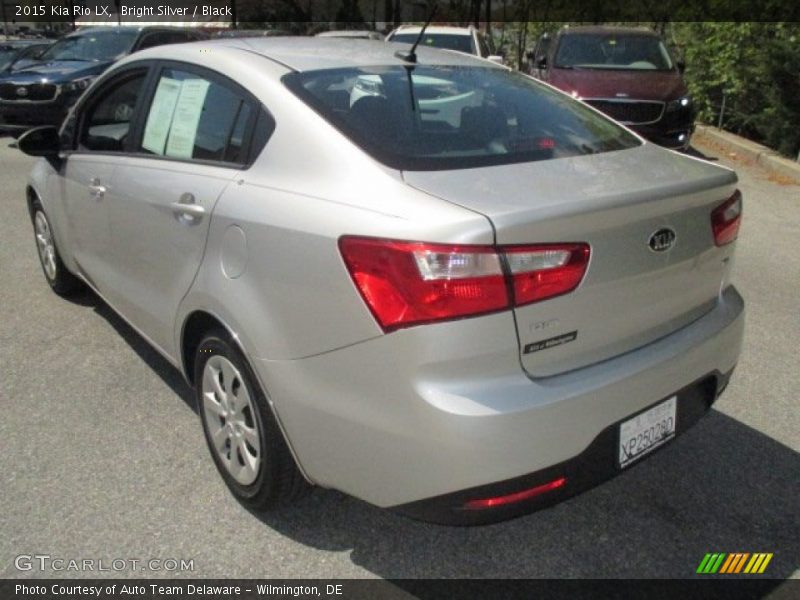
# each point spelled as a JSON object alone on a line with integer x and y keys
{"x": 410, "y": 283}
{"x": 726, "y": 218}
{"x": 515, "y": 497}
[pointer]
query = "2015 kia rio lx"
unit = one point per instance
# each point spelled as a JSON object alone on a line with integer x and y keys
{"x": 419, "y": 278}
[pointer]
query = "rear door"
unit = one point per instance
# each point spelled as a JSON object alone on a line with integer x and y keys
{"x": 192, "y": 142}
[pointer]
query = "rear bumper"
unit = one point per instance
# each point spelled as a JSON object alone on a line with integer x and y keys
{"x": 414, "y": 418}
{"x": 591, "y": 467}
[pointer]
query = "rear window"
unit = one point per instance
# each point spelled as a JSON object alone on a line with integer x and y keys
{"x": 443, "y": 117}
{"x": 448, "y": 41}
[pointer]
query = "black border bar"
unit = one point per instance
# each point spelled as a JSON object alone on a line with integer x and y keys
{"x": 351, "y": 13}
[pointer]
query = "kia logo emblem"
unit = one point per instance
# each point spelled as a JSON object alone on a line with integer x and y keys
{"x": 662, "y": 240}
{"x": 22, "y": 92}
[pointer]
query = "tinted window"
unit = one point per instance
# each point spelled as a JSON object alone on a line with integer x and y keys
{"x": 32, "y": 52}
{"x": 462, "y": 43}
{"x": 607, "y": 51}
{"x": 194, "y": 117}
{"x": 164, "y": 37}
{"x": 460, "y": 117}
{"x": 91, "y": 46}
{"x": 107, "y": 120}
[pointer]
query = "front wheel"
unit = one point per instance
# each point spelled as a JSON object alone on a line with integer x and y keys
{"x": 245, "y": 441}
{"x": 60, "y": 279}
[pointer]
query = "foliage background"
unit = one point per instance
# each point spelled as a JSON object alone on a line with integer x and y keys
{"x": 754, "y": 68}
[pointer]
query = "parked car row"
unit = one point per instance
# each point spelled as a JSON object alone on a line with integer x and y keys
{"x": 626, "y": 73}
{"x": 41, "y": 92}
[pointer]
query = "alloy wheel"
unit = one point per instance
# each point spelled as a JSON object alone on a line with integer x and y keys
{"x": 230, "y": 418}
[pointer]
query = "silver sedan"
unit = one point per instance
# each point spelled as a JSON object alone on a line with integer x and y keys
{"x": 421, "y": 279}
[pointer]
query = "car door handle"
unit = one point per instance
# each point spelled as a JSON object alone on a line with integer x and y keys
{"x": 191, "y": 210}
{"x": 97, "y": 190}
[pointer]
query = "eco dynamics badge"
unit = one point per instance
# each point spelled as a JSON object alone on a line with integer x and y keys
{"x": 734, "y": 563}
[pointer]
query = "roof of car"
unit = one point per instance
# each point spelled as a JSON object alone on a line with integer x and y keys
{"x": 434, "y": 29}
{"x": 351, "y": 33}
{"x": 124, "y": 29}
{"x": 603, "y": 29}
{"x": 312, "y": 53}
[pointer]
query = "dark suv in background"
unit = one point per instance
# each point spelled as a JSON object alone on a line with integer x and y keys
{"x": 625, "y": 72}
{"x": 42, "y": 92}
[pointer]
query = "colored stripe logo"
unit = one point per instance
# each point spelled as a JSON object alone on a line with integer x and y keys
{"x": 734, "y": 563}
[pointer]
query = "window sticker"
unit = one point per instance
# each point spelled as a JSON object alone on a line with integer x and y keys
{"x": 186, "y": 117}
{"x": 160, "y": 118}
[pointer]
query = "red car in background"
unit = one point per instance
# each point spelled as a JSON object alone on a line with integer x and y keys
{"x": 625, "y": 72}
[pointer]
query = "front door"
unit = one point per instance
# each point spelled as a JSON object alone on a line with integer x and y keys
{"x": 105, "y": 122}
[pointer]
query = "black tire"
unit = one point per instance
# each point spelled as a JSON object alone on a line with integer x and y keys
{"x": 61, "y": 281}
{"x": 279, "y": 481}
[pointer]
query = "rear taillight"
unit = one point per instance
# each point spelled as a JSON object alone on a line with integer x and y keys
{"x": 726, "y": 218}
{"x": 409, "y": 283}
{"x": 540, "y": 272}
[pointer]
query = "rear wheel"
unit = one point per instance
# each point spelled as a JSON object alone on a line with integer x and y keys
{"x": 246, "y": 444}
{"x": 60, "y": 279}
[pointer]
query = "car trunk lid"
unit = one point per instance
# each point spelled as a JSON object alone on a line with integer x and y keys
{"x": 617, "y": 202}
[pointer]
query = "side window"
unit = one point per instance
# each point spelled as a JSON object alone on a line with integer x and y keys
{"x": 192, "y": 117}
{"x": 107, "y": 119}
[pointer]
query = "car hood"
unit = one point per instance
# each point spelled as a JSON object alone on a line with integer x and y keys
{"x": 57, "y": 71}
{"x": 606, "y": 83}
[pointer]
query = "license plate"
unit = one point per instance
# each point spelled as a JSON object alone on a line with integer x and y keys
{"x": 647, "y": 431}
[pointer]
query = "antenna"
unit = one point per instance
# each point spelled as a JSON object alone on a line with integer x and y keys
{"x": 411, "y": 55}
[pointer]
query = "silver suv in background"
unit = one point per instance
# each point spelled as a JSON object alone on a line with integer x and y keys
{"x": 468, "y": 40}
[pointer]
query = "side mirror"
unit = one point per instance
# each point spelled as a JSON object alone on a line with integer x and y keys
{"x": 681, "y": 66}
{"x": 497, "y": 59}
{"x": 541, "y": 63}
{"x": 40, "y": 141}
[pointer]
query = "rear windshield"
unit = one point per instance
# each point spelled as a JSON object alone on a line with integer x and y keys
{"x": 607, "y": 51}
{"x": 443, "y": 117}
{"x": 95, "y": 46}
{"x": 448, "y": 41}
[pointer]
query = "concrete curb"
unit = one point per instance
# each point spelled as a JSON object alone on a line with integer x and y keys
{"x": 758, "y": 154}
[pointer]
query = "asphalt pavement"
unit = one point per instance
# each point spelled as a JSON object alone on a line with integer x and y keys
{"x": 103, "y": 456}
